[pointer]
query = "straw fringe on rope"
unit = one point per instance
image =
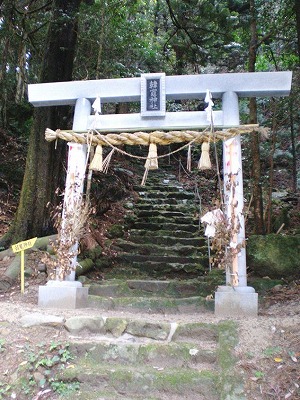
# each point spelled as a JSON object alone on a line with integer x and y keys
{"x": 95, "y": 138}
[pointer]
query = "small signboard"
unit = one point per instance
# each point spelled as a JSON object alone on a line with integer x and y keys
{"x": 21, "y": 247}
{"x": 27, "y": 244}
{"x": 153, "y": 95}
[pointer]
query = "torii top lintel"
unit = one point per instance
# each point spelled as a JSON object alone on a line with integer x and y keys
{"x": 181, "y": 87}
{"x": 247, "y": 84}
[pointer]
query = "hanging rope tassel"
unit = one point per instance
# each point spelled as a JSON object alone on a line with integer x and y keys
{"x": 107, "y": 160}
{"x": 97, "y": 162}
{"x": 151, "y": 162}
{"x": 204, "y": 162}
{"x": 189, "y": 159}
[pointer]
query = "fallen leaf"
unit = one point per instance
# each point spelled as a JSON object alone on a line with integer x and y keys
{"x": 278, "y": 359}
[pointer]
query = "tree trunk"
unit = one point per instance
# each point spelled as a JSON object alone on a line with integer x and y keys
{"x": 44, "y": 170}
{"x": 255, "y": 150}
{"x": 297, "y": 12}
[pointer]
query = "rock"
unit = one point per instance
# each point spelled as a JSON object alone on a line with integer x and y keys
{"x": 275, "y": 256}
{"x": 41, "y": 319}
{"x": 277, "y": 288}
{"x": 82, "y": 323}
{"x": 116, "y": 326}
{"x": 42, "y": 267}
{"x": 158, "y": 331}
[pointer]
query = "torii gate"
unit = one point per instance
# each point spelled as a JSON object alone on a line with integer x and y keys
{"x": 152, "y": 91}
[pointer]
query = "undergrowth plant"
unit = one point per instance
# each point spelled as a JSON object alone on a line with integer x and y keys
{"x": 39, "y": 372}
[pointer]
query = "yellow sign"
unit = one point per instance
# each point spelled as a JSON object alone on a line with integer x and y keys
{"x": 21, "y": 246}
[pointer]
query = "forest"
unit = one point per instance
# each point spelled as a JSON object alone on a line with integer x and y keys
{"x": 64, "y": 40}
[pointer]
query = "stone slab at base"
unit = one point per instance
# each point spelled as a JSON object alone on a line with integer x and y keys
{"x": 236, "y": 302}
{"x": 63, "y": 295}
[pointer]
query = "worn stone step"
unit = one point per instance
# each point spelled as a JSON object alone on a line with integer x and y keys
{"x": 150, "y": 354}
{"x": 158, "y": 194}
{"x": 171, "y": 186}
{"x": 130, "y": 329}
{"x": 199, "y": 242}
{"x": 140, "y": 258}
{"x": 143, "y": 381}
{"x": 166, "y": 226}
{"x": 161, "y": 213}
{"x": 166, "y": 269}
{"x": 89, "y": 393}
{"x": 138, "y": 288}
{"x": 175, "y": 233}
{"x": 167, "y": 201}
{"x": 152, "y": 304}
{"x": 168, "y": 219}
{"x": 188, "y": 208}
{"x": 151, "y": 248}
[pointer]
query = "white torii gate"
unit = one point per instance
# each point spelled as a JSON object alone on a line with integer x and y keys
{"x": 233, "y": 299}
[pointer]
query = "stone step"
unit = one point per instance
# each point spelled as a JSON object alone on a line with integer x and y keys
{"x": 188, "y": 208}
{"x": 148, "y": 226}
{"x": 171, "y": 186}
{"x": 140, "y": 258}
{"x": 143, "y": 381}
{"x": 167, "y": 201}
{"x": 158, "y": 194}
{"x": 89, "y": 393}
{"x": 161, "y": 213}
{"x": 128, "y": 328}
{"x": 175, "y": 233}
{"x": 111, "y": 394}
{"x": 151, "y": 248}
{"x": 149, "y": 354}
{"x": 199, "y": 242}
{"x": 163, "y": 219}
{"x": 158, "y": 305}
{"x": 165, "y": 269}
{"x": 150, "y": 288}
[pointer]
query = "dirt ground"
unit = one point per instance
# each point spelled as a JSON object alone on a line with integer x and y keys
{"x": 268, "y": 352}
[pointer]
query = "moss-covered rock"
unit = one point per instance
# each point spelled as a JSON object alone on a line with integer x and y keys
{"x": 275, "y": 256}
{"x": 115, "y": 231}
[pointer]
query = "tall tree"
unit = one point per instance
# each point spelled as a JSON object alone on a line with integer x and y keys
{"x": 44, "y": 163}
{"x": 297, "y": 12}
{"x": 255, "y": 150}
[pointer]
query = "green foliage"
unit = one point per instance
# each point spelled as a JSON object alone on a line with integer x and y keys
{"x": 46, "y": 361}
{"x": 65, "y": 388}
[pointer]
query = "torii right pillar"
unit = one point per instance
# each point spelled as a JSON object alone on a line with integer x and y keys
{"x": 236, "y": 299}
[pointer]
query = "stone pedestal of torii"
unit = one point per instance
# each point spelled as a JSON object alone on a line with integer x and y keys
{"x": 235, "y": 298}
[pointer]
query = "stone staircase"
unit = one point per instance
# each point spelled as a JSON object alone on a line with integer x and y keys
{"x": 130, "y": 356}
{"x": 149, "y": 332}
{"x": 164, "y": 237}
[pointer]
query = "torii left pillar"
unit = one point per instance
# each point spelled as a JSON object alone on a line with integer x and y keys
{"x": 70, "y": 293}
